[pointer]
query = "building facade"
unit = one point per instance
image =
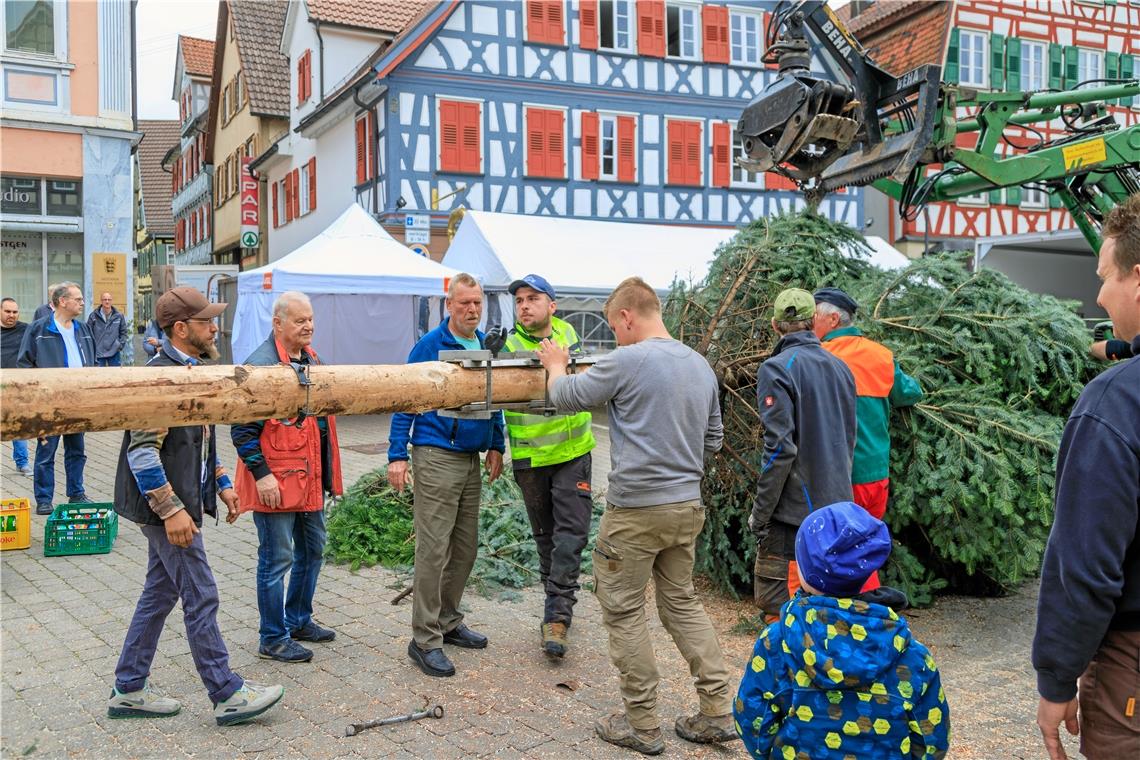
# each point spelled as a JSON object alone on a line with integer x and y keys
{"x": 154, "y": 226}
{"x": 191, "y": 177}
{"x": 67, "y": 132}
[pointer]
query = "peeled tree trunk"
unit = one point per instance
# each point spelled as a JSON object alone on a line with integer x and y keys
{"x": 39, "y": 402}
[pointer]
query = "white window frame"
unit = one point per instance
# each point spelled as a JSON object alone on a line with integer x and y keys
{"x": 757, "y": 181}
{"x": 683, "y": 6}
{"x": 1034, "y": 198}
{"x": 282, "y": 202}
{"x": 977, "y": 199}
{"x": 482, "y": 130}
{"x": 59, "y": 22}
{"x": 979, "y": 39}
{"x": 1030, "y": 49}
{"x": 303, "y": 201}
{"x": 631, "y": 29}
{"x": 1084, "y": 57}
{"x": 740, "y": 14}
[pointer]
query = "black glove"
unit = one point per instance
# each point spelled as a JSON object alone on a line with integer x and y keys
{"x": 495, "y": 339}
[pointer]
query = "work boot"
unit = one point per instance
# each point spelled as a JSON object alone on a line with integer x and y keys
{"x": 554, "y": 641}
{"x": 615, "y": 729}
{"x": 706, "y": 729}
{"x": 144, "y": 703}
{"x": 247, "y": 703}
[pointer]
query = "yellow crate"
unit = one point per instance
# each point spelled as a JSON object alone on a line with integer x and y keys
{"x": 15, "y": 524}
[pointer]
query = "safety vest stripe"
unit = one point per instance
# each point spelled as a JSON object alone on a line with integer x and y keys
{"x": 537, "y": 441}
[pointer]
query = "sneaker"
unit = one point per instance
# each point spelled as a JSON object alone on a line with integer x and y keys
{"x": 43, "y": 509}
{"x": 285, "y": 651}
{"x": 25, "y": 470}
{"x": 554, "y": 641}
{"x": 247, "y": 703}
{"x": 80, "y": 499}
{"x": 144, "y": 703}
{"x": 615, "y": 729}
{"x": 310, "y": 631}
{"x": 706, "y": 729}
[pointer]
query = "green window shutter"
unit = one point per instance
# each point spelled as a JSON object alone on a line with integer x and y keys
{"x": 1072, "y": 68}
{"x": 1013, "y": 63}
{"x": 951, "y": 73}
{"x": 1128, "y": 71}
{"x": 997, "y": 61}
{"x": 1112, "y": 71}
{"x": 995, "y": 197}
{"x": 1055, "y": 200}
{"x": 1056, "y": 65}
{"x": 1013, "y": 196}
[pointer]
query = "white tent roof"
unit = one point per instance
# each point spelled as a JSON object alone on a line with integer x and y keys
{"x": 580, "y": 256}
{"x": 353, "y": 255}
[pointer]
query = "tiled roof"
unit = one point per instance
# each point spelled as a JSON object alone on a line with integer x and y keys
{"x": 159, "y": 136}
{"x": 258, "y": 25}
{"x": 380, "y": 15}
{"x": 197, "y": 55}
{"x": 903, "y": 34}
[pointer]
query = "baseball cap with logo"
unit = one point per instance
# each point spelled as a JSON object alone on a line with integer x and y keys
{"x": 183, "y": 303}
{"x": 793, "y": 305}
{"x": 533, "y": 281}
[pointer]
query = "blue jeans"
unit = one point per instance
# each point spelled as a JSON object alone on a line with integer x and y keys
{"x": 74, "y": 460}
{"x": 287, "y": 539}
{"x": 20, "y": 453}
{"x": 172, "y": 574}
{"x": 111, "y": 361}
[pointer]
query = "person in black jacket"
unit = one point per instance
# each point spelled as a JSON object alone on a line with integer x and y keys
{"x": 59, "y": 340}
{"x": 166, "y": 479}
{"x": 1088, "y": 610}
{"x": 11, "y": 335}
{"x": 807, "y": 406}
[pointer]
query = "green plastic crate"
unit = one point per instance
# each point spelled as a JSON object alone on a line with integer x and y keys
{"x": 80, "y": 529}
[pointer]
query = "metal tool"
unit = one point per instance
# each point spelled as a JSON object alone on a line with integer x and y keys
{"x": 431, "y": 712}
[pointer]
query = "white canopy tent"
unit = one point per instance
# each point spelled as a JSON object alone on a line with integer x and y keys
{"x": 365, "y": 288}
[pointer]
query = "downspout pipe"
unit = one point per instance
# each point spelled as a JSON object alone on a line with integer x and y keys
{"x": 320, "y": 58}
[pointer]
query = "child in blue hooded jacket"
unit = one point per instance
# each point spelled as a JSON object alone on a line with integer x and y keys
{"x": 839, "y": 675}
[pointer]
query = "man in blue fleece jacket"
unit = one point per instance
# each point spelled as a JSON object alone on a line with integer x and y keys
{"x": 445, "y": 491}
{"x": 1088, "y": 611}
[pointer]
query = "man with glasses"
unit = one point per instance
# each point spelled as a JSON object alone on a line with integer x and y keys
{"x": 59, "y": 340}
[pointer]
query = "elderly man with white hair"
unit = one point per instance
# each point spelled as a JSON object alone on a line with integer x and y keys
{"x": 285, "y": 470}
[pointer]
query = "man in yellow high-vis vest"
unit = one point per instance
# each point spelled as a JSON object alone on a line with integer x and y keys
{"x": 551, "y": 461}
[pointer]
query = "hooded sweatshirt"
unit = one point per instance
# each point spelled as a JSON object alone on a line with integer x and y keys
{"x": 840, "y": 678}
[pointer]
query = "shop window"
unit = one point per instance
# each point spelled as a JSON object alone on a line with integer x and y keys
{"x": 64, "y": 198}
{"x": 21, "y": 195}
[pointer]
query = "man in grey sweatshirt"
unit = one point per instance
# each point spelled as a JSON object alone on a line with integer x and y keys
{"x": 664, "y": 414}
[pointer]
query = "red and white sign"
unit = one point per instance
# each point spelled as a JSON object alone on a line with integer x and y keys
{"x": 250, "y": 227}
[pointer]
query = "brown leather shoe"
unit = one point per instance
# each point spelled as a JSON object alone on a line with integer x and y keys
{"x": 615, "y": 729}
{"x": 706, "y": 729}
{"x": 554, "y": 639}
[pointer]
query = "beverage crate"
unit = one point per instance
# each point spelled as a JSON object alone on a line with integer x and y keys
{"x": 80, "y": 529}
{"x": 15, "y": 524}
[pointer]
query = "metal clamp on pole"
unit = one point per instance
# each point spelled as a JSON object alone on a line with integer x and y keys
{"x": 484, "y": 360}
{"x": 303, "y": 379}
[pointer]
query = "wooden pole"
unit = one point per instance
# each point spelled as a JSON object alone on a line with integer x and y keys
{"x": 38, "y": 402}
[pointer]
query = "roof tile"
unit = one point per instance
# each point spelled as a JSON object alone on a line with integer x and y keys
{"x": 380, "y": 15}
{"x": 903, "y": 34}
{"x": 159, "y": 136}
{"x": 197, "y": 55}
{"x": 258, "y": 25}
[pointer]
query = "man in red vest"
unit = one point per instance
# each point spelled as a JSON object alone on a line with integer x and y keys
{"x": 285, "y": 470}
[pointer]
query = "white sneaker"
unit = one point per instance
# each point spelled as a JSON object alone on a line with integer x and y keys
{"x": 247, "y": 703}
{"x": 144, "y": 703}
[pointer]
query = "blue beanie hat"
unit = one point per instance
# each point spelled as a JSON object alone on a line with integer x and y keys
{"x": 839, "y": 546}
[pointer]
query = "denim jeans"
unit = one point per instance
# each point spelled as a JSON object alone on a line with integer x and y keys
{"x": 287, "y": 539}
{"x": 20, "y": 453}
{"x": 74, "y": 460}
{"x": 172, "y": 574}
{"x": 111, "y": 361}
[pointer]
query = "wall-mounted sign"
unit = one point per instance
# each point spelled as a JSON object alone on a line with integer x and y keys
{"x": 109, "y": 275}
{"x": 417, "y": 221}
{"x": 420, "y": 249}
{"x": 250, "y": 228}
{"x": 417, "y": 236}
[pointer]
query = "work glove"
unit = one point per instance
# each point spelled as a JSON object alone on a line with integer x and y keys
{"x": 495, "y": 339}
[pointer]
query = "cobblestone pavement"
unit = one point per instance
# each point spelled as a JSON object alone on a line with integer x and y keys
{"x": 63, "y": 620}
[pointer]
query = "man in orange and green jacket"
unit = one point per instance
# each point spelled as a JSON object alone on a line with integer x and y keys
{"x": 879, "y": 386}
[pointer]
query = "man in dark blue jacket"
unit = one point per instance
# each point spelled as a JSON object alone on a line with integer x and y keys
{"x": 807, "y": 407}
{"x": 1088, "y": 610}
{"x": 445, "y": 491}
{"x": 59, "y": 340}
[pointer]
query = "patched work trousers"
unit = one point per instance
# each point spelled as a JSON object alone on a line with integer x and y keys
{"x": 634, "y": 545}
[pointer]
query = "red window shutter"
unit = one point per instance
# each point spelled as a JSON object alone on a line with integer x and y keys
{"x": 535, "y": 21}
{"x": 535, "y": 142}
{"x": 470, "y": 139}
{"x": 313, "y": 183}
{"x": 693, "y": 151}
{"x": 555, "y": 25}
{"x": 301, "y": 79}
{"x": 714, "y": 19}
{"x": 276, "y": 221}
{"x": 773, "y": 181}
{"x": 588, "y": 24}
{"x": 556, "y": 144}
{"x": 722, "y": 154}
{"x": 370, "y": 144}
{"x": 296, "y": 193}
{"x": 764, "y": 40}
{"x": 361, "y": 151}
{"x": 590, "y": 155}
{"x": 448, "y": 136}
{"x": 626, "y": 150}
{"x": 675, "y": 167}
{"x": 288, "y": 183}
{"x": 651, "y": 28}
{"x": 544, "y": 23}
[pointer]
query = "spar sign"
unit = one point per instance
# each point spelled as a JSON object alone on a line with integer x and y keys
{"x": 250, "y": 229}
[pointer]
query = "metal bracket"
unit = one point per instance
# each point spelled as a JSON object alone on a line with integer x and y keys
{"x": 305, "y": 382}
{"x": 483, "y": 360}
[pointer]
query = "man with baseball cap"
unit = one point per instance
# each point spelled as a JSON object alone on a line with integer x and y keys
{"x": 552, "y": 464}
{"x": 167, "y": 478}
{"x": 880, "y": 385}
{"x": 807, "y": 407}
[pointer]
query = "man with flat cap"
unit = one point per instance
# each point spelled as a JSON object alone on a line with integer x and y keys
{"x": 807, "y": 407}
{"x": 552, "y": 465}
{"x": 879, "y": 385}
